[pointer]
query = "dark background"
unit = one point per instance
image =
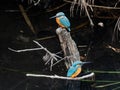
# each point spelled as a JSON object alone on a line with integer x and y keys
{"x": 15, "y": 33}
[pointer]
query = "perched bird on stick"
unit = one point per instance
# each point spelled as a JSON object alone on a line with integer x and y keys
{"x": 62, "y": 20}
{"x": 75, "y": 69}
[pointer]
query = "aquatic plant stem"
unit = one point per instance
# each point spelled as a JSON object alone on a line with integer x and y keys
{"x": 106, "y": 85}
{"x": 111, "y": 72}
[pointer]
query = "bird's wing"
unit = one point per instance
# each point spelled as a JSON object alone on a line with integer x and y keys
{"x": 64, "y": 21}
{"x": 72, "y": 70}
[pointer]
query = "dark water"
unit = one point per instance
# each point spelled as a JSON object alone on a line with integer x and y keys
{"x": 14, "y": 66}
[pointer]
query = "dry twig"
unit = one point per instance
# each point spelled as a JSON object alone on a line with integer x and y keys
{"x": 51, "y": 57}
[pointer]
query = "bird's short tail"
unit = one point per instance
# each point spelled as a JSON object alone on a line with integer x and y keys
{"x": 69, "y": 29}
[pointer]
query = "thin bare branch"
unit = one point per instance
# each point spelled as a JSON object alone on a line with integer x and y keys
{"x": 61, "y": 77}
{"x": 83, "y": 8}
{"x": 62, "y": 59}
{"x": 49, "y": 57}
{"x": 117, "y": 3}
{"x": 24, "y": 50}
{"x": 36, "y": 2}
{"x": 96, "y": 6}
{"x": 104, "y": 7}
{"x": 52, "y": 56}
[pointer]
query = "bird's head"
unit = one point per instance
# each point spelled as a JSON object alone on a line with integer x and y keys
{"x": 79, "y": 63}
{"x": 59, "y": 14}
{"x": 75, "y": 69}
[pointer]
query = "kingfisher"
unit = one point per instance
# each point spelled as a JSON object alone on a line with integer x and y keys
{"x": 75, "y": 69}
{"x": 62, "y": 20}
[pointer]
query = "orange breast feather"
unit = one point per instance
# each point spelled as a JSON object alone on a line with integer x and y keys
{"x": 58, "y": 22}
{"x": 76, "y": 73}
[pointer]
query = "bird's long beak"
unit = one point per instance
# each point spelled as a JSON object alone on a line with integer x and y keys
{"x": 85, "y": 62}
{"x": 52, "y": 17}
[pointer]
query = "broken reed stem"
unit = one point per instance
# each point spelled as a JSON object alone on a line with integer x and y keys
{"x": 68, "y": 46}
{"x": 24, "y": 14}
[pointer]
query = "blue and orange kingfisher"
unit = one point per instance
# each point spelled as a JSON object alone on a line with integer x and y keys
{"x": 62, "y": 20}
{"x": 75, "y": 69}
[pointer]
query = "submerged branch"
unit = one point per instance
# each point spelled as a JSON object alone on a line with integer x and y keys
{"x": 117, "y": 50}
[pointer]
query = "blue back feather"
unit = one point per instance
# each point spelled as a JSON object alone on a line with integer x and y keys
{"x": 65, "y": 22}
